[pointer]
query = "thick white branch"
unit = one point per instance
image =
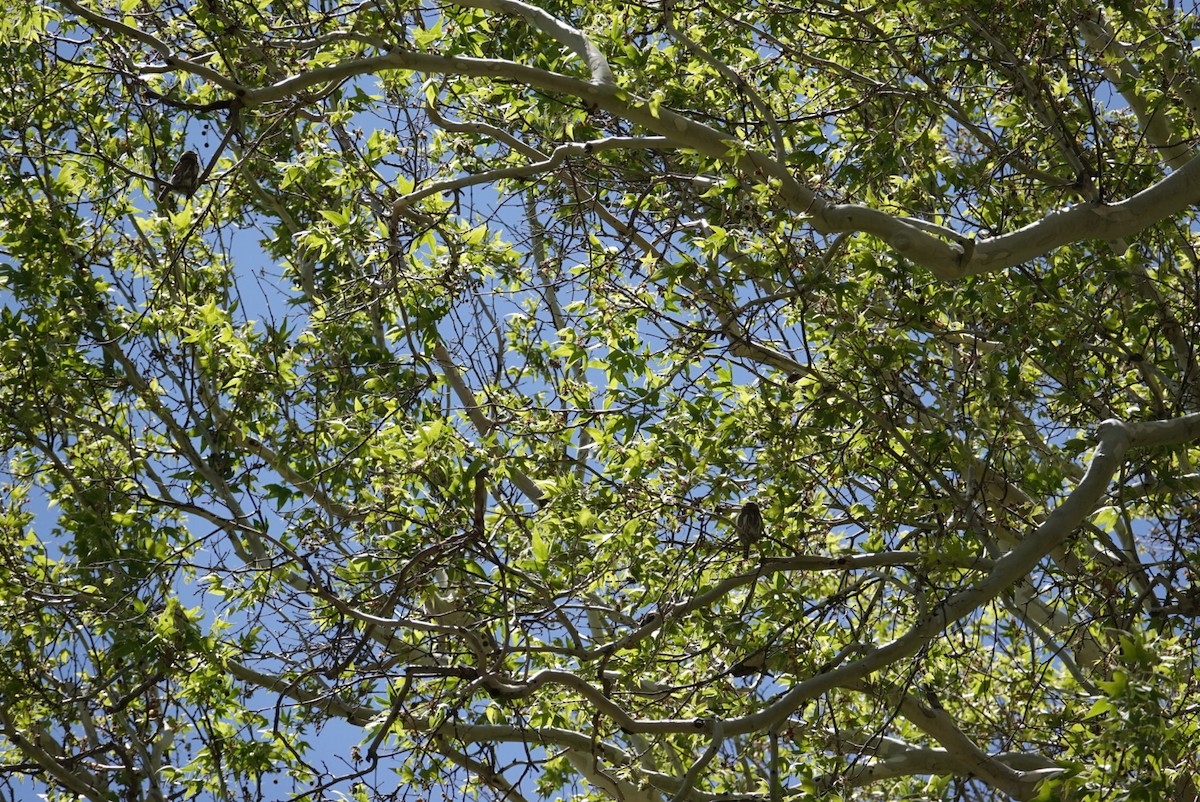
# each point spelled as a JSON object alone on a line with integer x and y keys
{"x": 1121, "y": 72}
{"x": 1088, "y": 221}
{"x": 1116, "y": 438}
{"x": 939, "y": 725}
{"x": 570, "y": 37}
{"x": 948, "y": 260}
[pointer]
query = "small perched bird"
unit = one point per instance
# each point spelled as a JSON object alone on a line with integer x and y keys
{"x": 184, "y": 178}
{"x": 749, "y": 526}
{"x": 480, "y": 498}
{"x": 756, "y": 663}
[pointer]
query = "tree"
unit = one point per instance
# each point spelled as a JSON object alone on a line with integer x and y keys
{"x": 405, "y": 454}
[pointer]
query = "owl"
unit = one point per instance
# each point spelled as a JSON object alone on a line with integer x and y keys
{"x": 749, "y": 526}
{"x": 185, "y": 178}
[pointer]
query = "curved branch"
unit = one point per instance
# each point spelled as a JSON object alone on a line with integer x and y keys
{"x": 558, "y": 30}
{"x": 154, "y": 43}
{"x": 557, "y": 157}
{"x": 1123, "y": 75}
{"x": 76, "y": 779}
{"x": 974, "y": 761}
{"x": 1088, "y": 221}
{"x": 1116, "y": 438}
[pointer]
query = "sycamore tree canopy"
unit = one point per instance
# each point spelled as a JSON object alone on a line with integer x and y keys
{"x": 399, "y": 453}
